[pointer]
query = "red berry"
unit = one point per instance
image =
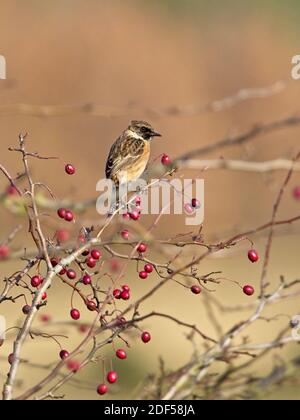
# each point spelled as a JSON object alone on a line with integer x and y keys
{"x": 64, "y": 354}
{"x": 112, "y": 377}
{"x": 248, "y": 290}
{"x": 253, "y": 255}
{"x": 70, "y": 169}
{"x": 36, "y": 281}
{"x": 143, "y": 275}
{"x": 135, "y": 214}
{"x": 12, "y": 190}
{"x": 54, "y": 262}
{"x": 121, "y": 354}
{"x": 4, "y": 252}
{"x": 114, "y": 265}
{"x": 188, "y": 208}
{"x": 73, "y": 365}
{"x": 146, "y": 337}
{"x": 125, "y": 234}
{"x": 126, "y": 216}
{"x": 46, "y": 318}
{"x": 91, "y": 305}
{"x": 11, "y": 359}
{"x": 96, "y": 254}
{"x": 75, "y": 314}
{"x": 195, "y": 203}
{"x": 86, "y": 279}
{"x": 84, "y": 328}
{"x": 71, "y": 274}
{"x": 121, "y": 320}
{"x": 165, "y": 160}
{"x": 117, "y": 293}
{"x": 296, "y": 193}
{"x": 69, "y": 216}
{"x": 44, "y": 296}
{"x": 91, "y": 262}
{"x": 26, "y": 309}
{"x": 142, "y": 248}
{"x": 126, "y": 287}
{"x": 62, "y": 272}
{"x": 148, "y": 268}
{"x": 62, "y": 235}
{"x": 62, "y": 213}
{"x": 196, "y": 289}
{"x": 102, "y": 389}
{"x": 125, "y": 295}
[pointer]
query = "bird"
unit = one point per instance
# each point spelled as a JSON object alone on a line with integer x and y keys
{"x": 130, "y": 153}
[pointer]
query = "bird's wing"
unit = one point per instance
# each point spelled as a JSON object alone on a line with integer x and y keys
{"x": 124, "y": 152}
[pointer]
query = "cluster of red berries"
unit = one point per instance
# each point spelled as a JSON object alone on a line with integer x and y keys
{"x": 123, "y": 293}
{"x": 65, "y": 214}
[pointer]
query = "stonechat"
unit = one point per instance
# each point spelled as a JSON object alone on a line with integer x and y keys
{"x": 129, "y": 155}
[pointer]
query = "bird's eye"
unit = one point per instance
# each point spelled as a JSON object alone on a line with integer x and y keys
{"x": 144, "y": 129}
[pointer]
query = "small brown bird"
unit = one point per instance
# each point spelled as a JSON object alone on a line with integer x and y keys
{"x": 129, "y": 155}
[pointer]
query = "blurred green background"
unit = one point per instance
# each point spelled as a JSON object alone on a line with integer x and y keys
{"x": 130, "y": 55}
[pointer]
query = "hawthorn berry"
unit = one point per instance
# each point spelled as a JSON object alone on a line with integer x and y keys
{"x": 296, "y": 193}
{"x": 44, "y": 296}
{"x": 125, "y": 234}
{"x": 142, "y": 248}
{"x": 62, "y": 213}
{"x": 126, "y": 287}
{"x": 62, "y": 235}
{"x": 70, "y": 169}
{"x": 121, "y": 354}
{"x": 26, "y": 309}
{"x": 165, "y": 159}
{"x": 86, "y": 279}
{"x": 36, "y": 281}
{"x": 138, "y": 201}
{"x": 135, "y": 214}
{"x": 54, "y": 262}
{"x": 196, "y": 289}
{"x": 112, "y": 377}
{"x": 69, "y": 216}
{"x": 11, "y": 359}
{"x": 126, "y": 216}
{"x": 91, "y": 305}
{"x": 121, "y": 320}
{"x": 73, "y": 365}
{"x": 75, "y": 314}
{"x": 71, "y": 274}
{"x": 188, "y": 208}
{"x": 248, "y": 290}
{"x": 143, "y": 275}
{"x": 96, "y": 254}
{"x": 125, "y": 295}
{"x": 64, "y": 354}
{"x": 146, "y": 337}
{"x": 253, "y": 255}
{"x": 91, "y": 262}
{"x": 195, "y": 203}
{"x": 117, "y": 293}
{"x": 102, "y": 389}
{"x": 4, "y": 252}
{"x": 148, "y": 268}
{"x": 12, "y": 190}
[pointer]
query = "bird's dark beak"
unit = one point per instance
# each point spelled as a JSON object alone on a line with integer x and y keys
{"x": 155, "y": 134}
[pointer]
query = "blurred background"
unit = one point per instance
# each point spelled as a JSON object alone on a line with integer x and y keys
{"x": 79, "y": 70}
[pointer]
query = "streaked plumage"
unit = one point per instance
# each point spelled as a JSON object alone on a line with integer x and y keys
{"x": 129, "y": 155}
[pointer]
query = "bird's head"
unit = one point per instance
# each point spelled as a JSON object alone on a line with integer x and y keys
{"x": 142, "y": 129}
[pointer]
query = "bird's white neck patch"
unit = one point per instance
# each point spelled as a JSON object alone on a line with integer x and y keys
{"x": 134, "y": 135}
